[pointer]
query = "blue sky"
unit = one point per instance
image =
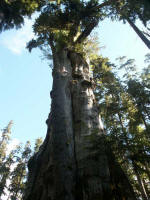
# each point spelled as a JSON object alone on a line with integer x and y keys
{"x": 25, "y": 79}
{"x": 121, "y": 40}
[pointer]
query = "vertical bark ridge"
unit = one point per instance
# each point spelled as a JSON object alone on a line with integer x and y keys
{"x": 98, "y": 172}
{"x": 68, "y": 165}
{"x": 52, "y": 169}
{"x": 93, "y": 174}
{"x": 63, "y": 143}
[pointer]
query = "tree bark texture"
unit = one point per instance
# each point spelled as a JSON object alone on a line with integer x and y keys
{"x": 67, "y": 167}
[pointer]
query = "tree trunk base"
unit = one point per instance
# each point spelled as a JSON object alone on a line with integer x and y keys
{"x": 73, "y": 163}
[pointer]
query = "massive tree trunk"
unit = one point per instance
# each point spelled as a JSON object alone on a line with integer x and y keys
{"x": 68, "y": 166}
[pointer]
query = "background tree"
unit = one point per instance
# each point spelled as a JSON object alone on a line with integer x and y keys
{"x": 13, "y": 165}
{"x": 18, "y": 175}
{"x": 120, "y": 107}
{"x": 5, "y": 160}
{"x": 38, "y": 143}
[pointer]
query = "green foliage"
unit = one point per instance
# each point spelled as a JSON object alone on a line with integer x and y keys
{"x": 133, "y": 9}
{"x": 124, "y": 105}
{"x": 68, "y": 22}
{"x": 18, "y": 175}
{"x": 13, "y": 165}
{"x": 66, "y": 25}
{"x": 38, "y": 143}
{"x": 5, "y": 160}
{"x": 12, "y": 13}
{"x": 5, "y": 138}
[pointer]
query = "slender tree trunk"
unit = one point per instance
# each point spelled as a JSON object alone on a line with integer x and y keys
{"x": 140, "y": 182}
{"x": 145, "y": 124}
{"x": 147, "y": 170}
{"x": 121, "y": 187}
{"x": 66, "y": 166}
{"x": 3, "y": 181}
{"x": 139, "y": 33}
{"x": 146, "y": 186}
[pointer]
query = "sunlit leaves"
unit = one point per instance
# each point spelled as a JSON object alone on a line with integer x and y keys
{"x": 12, "y": 13}
{"x": 125, "y": 109}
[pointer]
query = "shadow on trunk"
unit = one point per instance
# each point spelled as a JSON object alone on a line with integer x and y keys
{"x": 69, "y": 166}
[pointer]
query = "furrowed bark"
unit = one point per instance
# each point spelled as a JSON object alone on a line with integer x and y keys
{"x": 68, "y": 166}
{"x": 93, "y": 176}
{"x": 52, "y": 170}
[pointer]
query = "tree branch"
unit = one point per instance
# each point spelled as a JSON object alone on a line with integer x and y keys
{"x": 92, "y": 25}
{"x": 106, "y": 3}
{"x": 86, "y": 32}
{"x": 139, "y": 32}
{"x": 147, "y": 34}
